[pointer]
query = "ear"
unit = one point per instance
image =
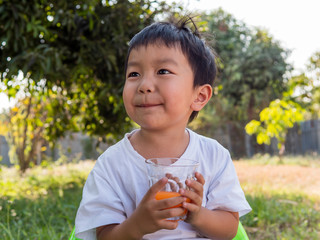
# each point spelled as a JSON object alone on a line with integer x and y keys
{"x": 203, "y": 95}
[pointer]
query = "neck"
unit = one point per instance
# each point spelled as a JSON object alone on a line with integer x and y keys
{"x": 151, "y": 144}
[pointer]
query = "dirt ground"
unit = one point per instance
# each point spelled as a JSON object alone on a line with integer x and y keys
{"x": 283, "y": 178}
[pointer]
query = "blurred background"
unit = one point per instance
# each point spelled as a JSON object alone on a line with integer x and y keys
{"x": 61, "y": 80}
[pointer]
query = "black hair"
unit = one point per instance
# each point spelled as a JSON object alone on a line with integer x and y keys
{"x": 177, "y": 34}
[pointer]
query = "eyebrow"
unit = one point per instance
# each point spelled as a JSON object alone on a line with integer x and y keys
{"x": 166, "y": 60}
{"x": 158, "y": 61}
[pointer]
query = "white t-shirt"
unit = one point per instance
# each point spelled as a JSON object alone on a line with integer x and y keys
{"x": 119, "y": 181}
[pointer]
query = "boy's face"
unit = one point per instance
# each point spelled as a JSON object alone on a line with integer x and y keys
{"x": 158, "y": 93}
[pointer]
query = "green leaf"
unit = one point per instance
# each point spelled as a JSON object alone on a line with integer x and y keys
{"x": 252, "y": 127}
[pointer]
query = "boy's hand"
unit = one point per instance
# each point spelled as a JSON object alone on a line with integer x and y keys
{"x": 195, "y": 195}
{"x": 151, "y": 214}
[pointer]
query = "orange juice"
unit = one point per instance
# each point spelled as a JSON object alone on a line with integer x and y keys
{"x": 164, "y": 195}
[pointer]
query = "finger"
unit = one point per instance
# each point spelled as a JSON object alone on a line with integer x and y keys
{"x": 170, "y": 213}
{"x": 200, "y": 178}
{"x": 195, "y": 186}
{"x": 156, "y": 188}
{"x": 173, "y": 202}
{"x": 172, "y": 185}
{"x": 167, "y": 224}
{"x": 169, "y": 175}
{"x": 175, "y": 184}
{"x": 191, "y": 207}
{"x": 193, "y": 196}
{"x": 177, "y": 180}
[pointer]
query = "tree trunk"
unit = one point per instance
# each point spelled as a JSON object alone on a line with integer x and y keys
{"x": 23, "y": 162}
{"x": 38, "y": 152}
{"x": 250, "y": 112}
{"x": 249, "y": 149}
{"x": 281, "y": 152}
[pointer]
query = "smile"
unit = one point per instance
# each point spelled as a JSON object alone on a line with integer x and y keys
{"x": 148, "y": 105}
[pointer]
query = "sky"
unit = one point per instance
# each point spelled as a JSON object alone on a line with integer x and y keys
{"x": 295, "y": 23}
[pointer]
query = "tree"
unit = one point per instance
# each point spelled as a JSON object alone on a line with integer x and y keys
{"x": 299, "y": 102}
{"x": 314, "y": 64}
{"x": 314, "y": 67}
{"x": 78, "y": 47}
{"x": 252, "y": 67}
{"x": 304, "y": 88}
{"x": 275, "y": 120}
{"x": 38, "y": 118}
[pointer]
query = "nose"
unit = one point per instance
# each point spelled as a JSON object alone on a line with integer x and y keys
{"x": 146, "y": 85}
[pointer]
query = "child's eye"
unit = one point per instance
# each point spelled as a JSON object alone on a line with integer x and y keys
{"x": 163, "y": 71}
{"x": 133, "y": 74}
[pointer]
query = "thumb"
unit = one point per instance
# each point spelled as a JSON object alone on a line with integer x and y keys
{"x": 151, "y": 194}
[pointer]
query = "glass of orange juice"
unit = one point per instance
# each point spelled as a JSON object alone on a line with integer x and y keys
{"x": 177, "y": 170}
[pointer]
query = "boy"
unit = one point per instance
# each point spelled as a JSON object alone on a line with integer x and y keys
{"x": 169, "y": 74}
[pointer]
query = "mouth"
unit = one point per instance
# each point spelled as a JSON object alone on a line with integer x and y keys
{"x": 149, "y": 105}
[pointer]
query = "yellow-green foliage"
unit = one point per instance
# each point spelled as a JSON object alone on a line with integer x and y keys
{"x": 275, "y": 121}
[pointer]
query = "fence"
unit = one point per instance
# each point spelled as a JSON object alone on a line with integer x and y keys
{"x": 305, "y": 138}
{"x": 301, "y": 139}
{"x": 73, "y": 146}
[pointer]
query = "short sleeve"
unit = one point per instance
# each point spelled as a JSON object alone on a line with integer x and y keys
{"x": 225, "y": 192}
{"x": 100, "y": 205}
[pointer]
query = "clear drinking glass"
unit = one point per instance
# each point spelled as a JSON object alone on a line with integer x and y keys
{"x": 177, "y": 170}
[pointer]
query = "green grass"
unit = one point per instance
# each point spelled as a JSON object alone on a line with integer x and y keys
{"x": 42, "y": 204}
{"x": 282, "y": 217}
{"x": 49, "y": 217}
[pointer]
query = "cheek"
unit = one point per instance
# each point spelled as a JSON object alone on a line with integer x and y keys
{"x": 178, "y": 95}
{"x": 127, "y": 96}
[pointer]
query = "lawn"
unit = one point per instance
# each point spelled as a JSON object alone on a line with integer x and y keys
{"x": 285, "y": 199}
